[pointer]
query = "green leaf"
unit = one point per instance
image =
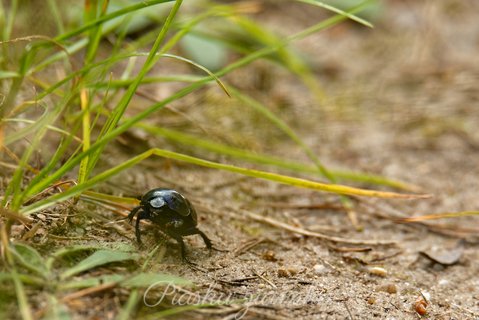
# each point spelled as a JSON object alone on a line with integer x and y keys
{"x": 143, "y": 280}
{"x": 99, "y": 258}
{"x": 68, "y": 251}
{"x": 29, "y": 258}
{"x": 91, "y": 282}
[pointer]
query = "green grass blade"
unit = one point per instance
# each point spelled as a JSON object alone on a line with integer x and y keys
{"x": 89, "y": 282}
{"x": 53, "y": 6}
{"x": 94, "y": 34}
{"x": 99, "y": 258}
{"x": 35, "y": 126}
{"x": 90, "y": 14}
{"x": 51, "y": 164}
{"x": 278, "y": 122}
{"x": 263, "y": 159}
{"x": 6, "y": 24}
{"x": 68, "y": 134}
{"x": 15, "y": 184}
{"x": 108, "y": 198}
{"x": 285, "y": 128}
{"x": 297, "y": 182}
{"x": 119, "y": 83}
{"x": 75, "y": 47}
{"x": 27, "y": 279}
{"x": 284, "y": 56}
{"x": 137, "y": 6}
{"x": 211, "y": 74}
{"x": 127, "y": 311}
{"x": 328, "y": 22}
{"x": 146, "y": 279}
{"x": 9, "y": 20}
{"x": 123, "y": 83}
{"x": 22, "y": 300}
{"x": 338, "y": 11}
{"x": 68, "y": 51}
{"x": 8, "y": 74}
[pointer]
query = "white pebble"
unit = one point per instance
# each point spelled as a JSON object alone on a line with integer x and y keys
{"x": 378, "y": 271}
{"x": 319, "y": 269}
{"x": 443, "y": 282}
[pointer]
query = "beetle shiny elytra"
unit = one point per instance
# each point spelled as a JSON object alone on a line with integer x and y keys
{"x": 172, "y": 213}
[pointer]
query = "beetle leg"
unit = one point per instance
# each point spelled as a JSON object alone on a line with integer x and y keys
{"x": 208, "y": 242}
{"x": 132, "y": 213}
{"x": 179, "y": 239}
{"x": 205, "y": 238}
{"x": 137, "y": 226}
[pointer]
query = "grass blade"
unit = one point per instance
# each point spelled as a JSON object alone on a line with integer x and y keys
{"x": 297, "y": 182}
{"x": 339, "y": 11}
{"x": 23, "y": 305}
{"x": 263, "y": 159}
{"x": 137, "y": 6}
{"x": 146, "y": 279}
{"x": 127, "y": 311}
{"x": 256, "y": 105}
{"x": 89, "y": 282}
{"x": 126, "y": 98}
{"x": 98, "y": 258}
{"x": 440, "y": 216}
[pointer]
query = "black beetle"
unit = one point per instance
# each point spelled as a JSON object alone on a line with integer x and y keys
{"x": 172, "y": 213}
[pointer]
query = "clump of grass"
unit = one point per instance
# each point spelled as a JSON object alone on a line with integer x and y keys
{"x": 83, "y": 90}
{"x": 75, "y": 85}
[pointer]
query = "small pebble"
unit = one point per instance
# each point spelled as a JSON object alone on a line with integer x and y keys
{"x": 371, "y": 300}
{"x": 378, "y": 271}
{"x": 287, "y": 272}
{"x": 269, "y": 255}
{"x": 320, "y": 269}
{"x": 389, "y": 288}
{"x": 443, "y": 282}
